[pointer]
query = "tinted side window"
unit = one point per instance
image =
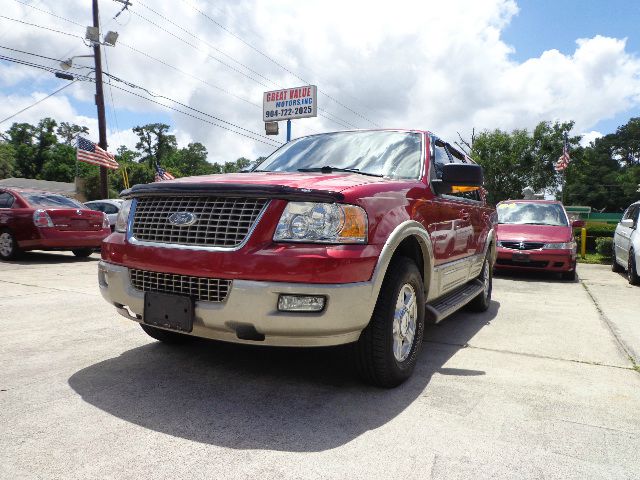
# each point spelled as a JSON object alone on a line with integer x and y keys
{"x": 98, "y": 207}
{"x": 6, "y": 200}
{"x": 440, "y": 157}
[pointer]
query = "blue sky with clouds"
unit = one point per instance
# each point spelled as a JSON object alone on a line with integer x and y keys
{"x": 556, "y": 24}
{"x": 422, "y": 70}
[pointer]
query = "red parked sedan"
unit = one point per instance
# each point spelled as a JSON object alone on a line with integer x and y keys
{"x": 536, "y": 235}
{"x": 37, "y": 220}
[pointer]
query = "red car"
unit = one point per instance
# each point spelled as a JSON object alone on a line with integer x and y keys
{"x": 37, "y": 220}
{"x": 346, "y": 237}
{"x": 536, "y": 235}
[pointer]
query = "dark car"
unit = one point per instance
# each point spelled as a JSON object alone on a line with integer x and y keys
{"x": 38, "y": 220}
{"x": 536, "y": 235}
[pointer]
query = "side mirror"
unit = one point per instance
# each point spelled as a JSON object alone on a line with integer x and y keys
{"x": 456, "y": 175}
{"x": 578, "y": 224}
{"x": 627, "y": 222}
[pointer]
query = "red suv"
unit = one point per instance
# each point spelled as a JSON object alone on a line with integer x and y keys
{"x": 536, "y": 235}
{"x": 37, "y": 220}
{"x": 347, "y": 237}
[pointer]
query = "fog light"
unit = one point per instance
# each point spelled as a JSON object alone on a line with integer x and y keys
{"x": 301, "y": 303}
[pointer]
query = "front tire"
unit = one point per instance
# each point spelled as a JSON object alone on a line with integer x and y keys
{"x": 632, "y": 269}
{"x": 569, "y": 275}
{"x": 387, "y": 351}
{"x": 165, "y": 336}
{"x": 8, "y": 245}
{"x": 82, "y": 252}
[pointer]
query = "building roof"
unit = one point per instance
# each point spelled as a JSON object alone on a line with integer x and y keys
{"x": 63, "y": 188}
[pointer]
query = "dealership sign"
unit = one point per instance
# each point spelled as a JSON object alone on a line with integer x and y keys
{"x": 290, "y": 103}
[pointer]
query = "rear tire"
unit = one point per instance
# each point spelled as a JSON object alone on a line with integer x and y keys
{"x": 82, "y": 252}
{"x": 388, "y": 348}
{"x": 632, "y": 269}
{"x": 615, "y": 266}
{"x": 166, "y": 336}
{"x": 8, "y": 245}
{"x": 482, "y": 302}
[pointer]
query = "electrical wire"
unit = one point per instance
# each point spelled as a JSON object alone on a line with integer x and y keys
{"x": 262, "y": 138}
{"x": 321, "y": 112}
{"x": 275, "y": 62}
{"x": 339, "y": 121}
{"x": 48, "y": 13}
{"x": 43, "y": 28}
{"x": 37, "y": 102}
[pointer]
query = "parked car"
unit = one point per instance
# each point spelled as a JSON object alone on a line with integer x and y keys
{"x": 328, "y": 241}
{"x": 110, "y": 207}
{"x": 37, "y": 220}
{"x": 536, "y": 235}
{"x": 626, "y": 245}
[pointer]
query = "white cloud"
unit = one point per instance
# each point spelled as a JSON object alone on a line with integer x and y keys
{"x": 437, "y": 65}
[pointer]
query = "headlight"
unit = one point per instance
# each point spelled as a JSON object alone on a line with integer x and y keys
{"x": 498, "y": 243}
{"x": 123, "y": 217}
{"x": 322, "y": 223}
{"x": 560, "y": 246}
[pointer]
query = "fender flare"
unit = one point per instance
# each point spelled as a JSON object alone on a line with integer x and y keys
{"x": 409, "y": 228}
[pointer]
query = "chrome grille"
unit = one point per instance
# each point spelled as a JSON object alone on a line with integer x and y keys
{"x": 200, "y": 288}
{"x": 522, "y": 245}
{"x": 220, "y": 221}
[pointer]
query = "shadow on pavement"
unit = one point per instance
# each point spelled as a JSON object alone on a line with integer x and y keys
{"x": 246, "y": 397}
{"x": 43, "y": 258}
{"x": 533, "y": 276}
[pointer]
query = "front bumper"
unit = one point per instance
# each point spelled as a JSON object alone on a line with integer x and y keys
{"x": 546, "y": 260}
{"x": 254, "y": 304}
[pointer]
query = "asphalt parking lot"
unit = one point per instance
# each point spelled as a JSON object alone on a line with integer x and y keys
{"x": 541, "y": 386}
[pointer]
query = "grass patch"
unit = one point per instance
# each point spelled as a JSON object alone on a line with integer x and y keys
{"x": 595, "y": 258}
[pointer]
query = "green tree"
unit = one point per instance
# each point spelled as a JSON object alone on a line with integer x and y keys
{"x": 155, "y": 144}
{"x": 7, "y": 160}
{"x": 61, "y": 164}
{"x": 189, "y": 161}
{"x": 69, "y": 131}
{"x": 21, "y": 139}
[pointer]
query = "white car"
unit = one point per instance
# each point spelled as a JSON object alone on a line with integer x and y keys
{"x": 111, "y": 207}
{"x": 626, "y": 245}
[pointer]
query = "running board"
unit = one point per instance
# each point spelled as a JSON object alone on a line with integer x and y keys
{"x": 445, "y": 306}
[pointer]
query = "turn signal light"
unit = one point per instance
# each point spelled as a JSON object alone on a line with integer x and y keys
{"x": 42, "y": 219}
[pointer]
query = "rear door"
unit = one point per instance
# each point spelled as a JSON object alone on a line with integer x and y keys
{"x": 622, "y": 236}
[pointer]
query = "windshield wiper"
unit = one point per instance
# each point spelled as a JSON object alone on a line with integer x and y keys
{"x": 328, "y": 169}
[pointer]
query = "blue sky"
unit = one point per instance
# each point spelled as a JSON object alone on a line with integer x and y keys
{"x": 547, "y": 24}
{"x": 453, "y": 76}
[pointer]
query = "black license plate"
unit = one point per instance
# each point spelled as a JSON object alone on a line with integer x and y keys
{"x": 521, "y": 257}
{"x": 168, "y": 311}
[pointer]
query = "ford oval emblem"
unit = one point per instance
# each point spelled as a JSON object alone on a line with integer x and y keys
{"x": 182, "y": 219}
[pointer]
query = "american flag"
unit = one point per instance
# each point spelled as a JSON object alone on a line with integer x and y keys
{"x": 162, "y": 174}
{"x": 563, "y": 161}
{"x": 89, "y": 152}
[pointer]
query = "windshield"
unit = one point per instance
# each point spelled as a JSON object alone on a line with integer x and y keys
{"x": 522, "y": 213}
{"x": 50, "y": 200}
{"x": 390, "y": 154}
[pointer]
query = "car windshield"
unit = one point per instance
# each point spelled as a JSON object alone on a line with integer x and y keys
{"x": 388, "y": 154}
{"x": 50, "y": 200}
{"x": 523, "y": 213}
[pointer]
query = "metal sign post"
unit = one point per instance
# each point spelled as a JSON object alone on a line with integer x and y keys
{"x": 289, "y": 104}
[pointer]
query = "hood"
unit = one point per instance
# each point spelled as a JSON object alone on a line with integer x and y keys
{"x": 310, "y": 186}
{"x": 534, "y": 233}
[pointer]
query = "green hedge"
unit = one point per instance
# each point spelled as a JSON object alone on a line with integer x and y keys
{"x": 595, "y": 230}
{"x": 604, "y": 246}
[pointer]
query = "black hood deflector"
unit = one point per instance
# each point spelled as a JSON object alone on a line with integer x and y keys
{"x": 232, "y": 190}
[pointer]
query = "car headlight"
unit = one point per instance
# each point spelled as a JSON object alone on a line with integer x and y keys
{"x": 560, "y": 246}
{"x": 322, "y": 223}
{"x": 498, "y": 243}
{"x": 123, "y": 217}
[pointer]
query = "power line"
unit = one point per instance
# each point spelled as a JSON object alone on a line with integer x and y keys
{"x": 322, "y": 113}
{"x": 39, "y": 101}
{"x": 273, "y": 143}
{"x": 325, "y": 114}
{"x": 58, "y": 60}
{"x": 277, "y": 63}
{"x": 44, "y": 28}
{"x": 48, "y": 13}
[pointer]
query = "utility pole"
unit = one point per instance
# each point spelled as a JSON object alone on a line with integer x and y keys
{"x": 102, "y": 121}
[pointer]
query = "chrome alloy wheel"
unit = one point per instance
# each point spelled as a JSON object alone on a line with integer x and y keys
{"x": 6, "y": 244}
{"x": 405, "y": 318}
